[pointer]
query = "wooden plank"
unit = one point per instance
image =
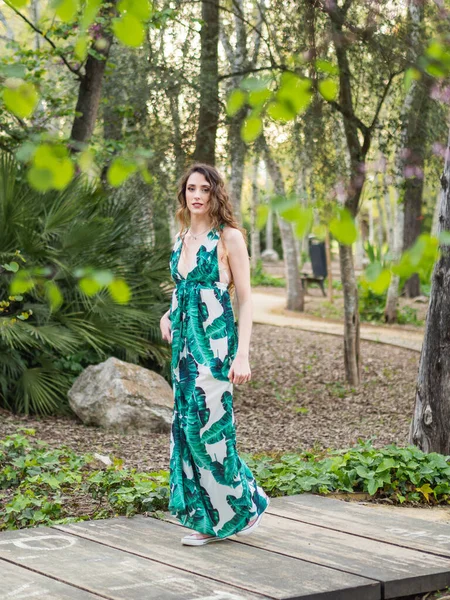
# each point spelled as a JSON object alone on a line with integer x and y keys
{"x": 402, "y": 571}
{"x": 107, "y": 572}
{"x": 18, "y": 583}
{"x": 408, "y": 532}
{"x": 258, "y": 569}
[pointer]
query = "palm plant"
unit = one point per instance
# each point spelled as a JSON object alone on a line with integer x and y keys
{"x": 67, "y": 230}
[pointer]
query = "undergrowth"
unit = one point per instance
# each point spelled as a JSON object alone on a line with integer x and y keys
{"x": 260, "y": 277}
{"x": 40, "y": 485}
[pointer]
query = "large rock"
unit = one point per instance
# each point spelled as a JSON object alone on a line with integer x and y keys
{"x": 270, "y": 256}
{"x": 118, "y": 395}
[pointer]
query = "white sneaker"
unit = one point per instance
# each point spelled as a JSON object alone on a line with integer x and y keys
{"x": 194, "y": 539}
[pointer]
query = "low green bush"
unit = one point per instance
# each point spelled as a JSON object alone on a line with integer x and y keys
{"x": 64, "y": 234}
{"x": 40, "y": 485}
{"x": 403, "y": 474}
{"x": 44, "y": 486}
{"x": 260, "y": 277}
{"x": 372, "y": 305}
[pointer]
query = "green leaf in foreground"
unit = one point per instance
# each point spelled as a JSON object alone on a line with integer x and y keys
{"x": 343, "y": 228}
{"x": 21, "y": 98}
{"x": 235, "y": 102}
{"x": 65, "y": 9}
{"x": 129, "y": 30}
{"x": 262, "y": 213}
{"x": 328, "y": 89}
{"x": 119, "y": 290}
{"x": 119, "y": 171}
{"x": 251, "y": 129}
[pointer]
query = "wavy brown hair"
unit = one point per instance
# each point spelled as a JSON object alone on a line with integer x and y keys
{"x": 220, "y": 207}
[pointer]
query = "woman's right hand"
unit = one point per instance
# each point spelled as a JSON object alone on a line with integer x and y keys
{"x": 165, "y": 326}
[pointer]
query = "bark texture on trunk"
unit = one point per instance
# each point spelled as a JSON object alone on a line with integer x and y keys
{"x": 415, "y": 143}
{"x": 239, "y": 60}
{"x": 357, "y": 153}
{"x": 390, "y": 311}
{"x": 205, "y": 145}
{"x": 408, "y": 117}
{"x": 351, "y": 316}
{"x": 414, "y": 185}
{"x": 255, "y": 244}
{"x": 430, "y": 426}
{"x": 89, "y": 94}
{"x": 295, "y": 297}
{"x": 388, "y": 210}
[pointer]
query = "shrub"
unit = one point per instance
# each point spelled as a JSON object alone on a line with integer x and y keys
{"x": 64, "y": 231}
{"x": 259, "y": 277}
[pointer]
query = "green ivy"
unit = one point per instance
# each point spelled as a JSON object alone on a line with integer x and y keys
{"x": 403, "y": 474}
{"x": 40, "y": 485}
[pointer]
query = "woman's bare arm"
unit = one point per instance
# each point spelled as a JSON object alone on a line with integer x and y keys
{"x": 240, "y": 267}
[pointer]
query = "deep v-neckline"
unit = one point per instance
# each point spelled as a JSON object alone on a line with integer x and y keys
{"x": 196, "y": 256}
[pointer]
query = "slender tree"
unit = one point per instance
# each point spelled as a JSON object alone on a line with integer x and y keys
{"x": 295, "y": 297}
{"x": 242, "y": 59}
{"x": 430, "y": 429}
{"x": 205, "y": 145}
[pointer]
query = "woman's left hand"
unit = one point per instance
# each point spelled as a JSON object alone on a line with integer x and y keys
{"x": 240, "y": 370}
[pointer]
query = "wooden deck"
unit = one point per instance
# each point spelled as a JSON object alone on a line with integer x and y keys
{"x": 307, "y": 546}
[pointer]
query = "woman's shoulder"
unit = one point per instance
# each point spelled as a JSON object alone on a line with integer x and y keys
{"x": 231, "y": 234}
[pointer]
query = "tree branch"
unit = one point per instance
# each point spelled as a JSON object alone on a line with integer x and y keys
{"x": 245, "y": 71}
{"x": 46, "y": 38}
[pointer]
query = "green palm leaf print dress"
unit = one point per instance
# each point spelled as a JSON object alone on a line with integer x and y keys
{"x": 212, "y": 490}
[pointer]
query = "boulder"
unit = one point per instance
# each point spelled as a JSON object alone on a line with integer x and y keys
{"x": 122, "y": 396}
{"x": 270, "y": 256}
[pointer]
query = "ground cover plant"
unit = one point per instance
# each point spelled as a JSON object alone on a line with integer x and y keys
{"x": 40, "y": 485}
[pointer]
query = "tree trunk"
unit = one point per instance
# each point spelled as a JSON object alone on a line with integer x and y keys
{"x": 380, "y": 228}
{"x": 414, "y": 184}
{"x": 435, "y": 223}
{"x": 357, "y": 153}
{"x": 390, "y": 311}
{"x": 415, "y": 142}
{"x": 295, "y": 298}
{"x": 269, "y": 231}
{"x": 238, "y": 151}
{"x": 408, "y": 118}
{"x": 254, "y": 231}
{"x": 359, "y": 247}
{"x": 389, "y": 218}
{"x": 430, "y": 429}
{"x": 351, "y": 316}
{"x": 205, "y": 145}
{"x": 89, "y": 94}
{"x": 239, "y": 61}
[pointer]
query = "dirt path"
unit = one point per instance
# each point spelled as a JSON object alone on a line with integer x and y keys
{"x": 269, "y": 309}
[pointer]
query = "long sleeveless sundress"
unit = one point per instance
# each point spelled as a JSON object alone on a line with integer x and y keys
{"x": 212, "y": 490}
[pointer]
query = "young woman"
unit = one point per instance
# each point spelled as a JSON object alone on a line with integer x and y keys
{"x": 212, "y": 490}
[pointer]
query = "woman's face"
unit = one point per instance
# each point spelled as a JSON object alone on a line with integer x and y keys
{"x": 198, "y": 193}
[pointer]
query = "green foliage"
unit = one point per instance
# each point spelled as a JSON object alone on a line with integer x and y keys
{"x": 59, "y": 233}
{"x": 376, "y": 254}
{"x": 343, "y": 227}
{"x": 40, "y": 483}
{"x": 259, "y": 277}
{"x": 372, "y": 305}
{"x": 403, "y": 474}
